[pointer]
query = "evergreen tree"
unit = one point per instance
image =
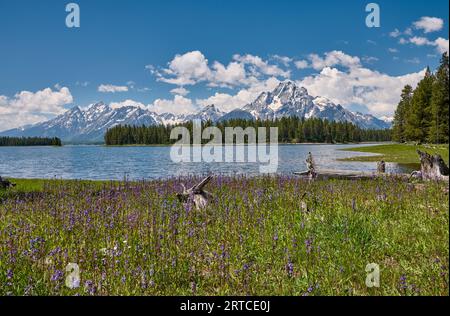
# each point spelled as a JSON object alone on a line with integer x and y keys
{"x": 403, "y": 108}
{"x": 439, "y": 127}
{"x": 418, "y": 118}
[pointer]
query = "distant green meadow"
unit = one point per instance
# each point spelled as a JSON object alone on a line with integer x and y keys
{"x": 399, "y": 153}
{"x": 260, "y": 236}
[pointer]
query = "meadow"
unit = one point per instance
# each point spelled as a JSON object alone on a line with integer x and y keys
{"x": 399, "y": 153}
{"x": 260, "y": 236}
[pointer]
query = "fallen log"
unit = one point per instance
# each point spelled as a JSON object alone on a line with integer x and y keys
{"x": 324, "y": 174}
{"x": 337, "y": 174}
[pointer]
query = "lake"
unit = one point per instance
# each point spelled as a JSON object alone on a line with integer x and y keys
{"x": 104, "y": 163}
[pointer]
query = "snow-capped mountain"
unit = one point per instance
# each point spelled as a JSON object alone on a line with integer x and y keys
{"x": 208, "y": 113}
{"x": 387, "y": 119}
{"x": 89, "y": 125}
{"x": 171, "y": 119}
{"x": 286, "y": 100}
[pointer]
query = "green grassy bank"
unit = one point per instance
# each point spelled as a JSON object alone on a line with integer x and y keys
{"x": 399, "y": 153}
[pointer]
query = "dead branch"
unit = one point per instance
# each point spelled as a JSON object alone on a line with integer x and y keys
{"x": 196, "y": 195}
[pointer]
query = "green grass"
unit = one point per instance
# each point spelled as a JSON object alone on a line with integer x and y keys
{"x": 256, "y": 238}
{"x": 399, "y": 153}
{"x": 35, "y": 186}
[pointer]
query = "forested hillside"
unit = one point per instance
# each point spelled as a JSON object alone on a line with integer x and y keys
{"x": 29, "y": 141}
{"x": 290, "y": 130}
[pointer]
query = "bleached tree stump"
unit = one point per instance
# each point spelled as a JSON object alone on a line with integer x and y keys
{"x": 432, "y": 167}
{"x": 196, "y": 195}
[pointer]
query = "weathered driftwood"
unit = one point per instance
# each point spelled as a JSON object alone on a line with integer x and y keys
{"x": 312, "y": 173}
{"x": 432, "y": 167}
{"x": 381, "y": 166}
{"x": 196, "y": 195}
{"x": 5, "y": 183}
{"x": 338, "y": 174}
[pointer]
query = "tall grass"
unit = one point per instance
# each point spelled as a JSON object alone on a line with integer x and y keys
{"x": 261, "y": 236}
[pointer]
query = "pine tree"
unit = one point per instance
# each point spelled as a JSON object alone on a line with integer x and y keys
{"x": 439, "y": 129}
{"x": 418, "y": 118}
{"x": 403, "y": 108}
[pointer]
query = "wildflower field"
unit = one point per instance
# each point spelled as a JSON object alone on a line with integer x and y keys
{"x": 260, "y": 236}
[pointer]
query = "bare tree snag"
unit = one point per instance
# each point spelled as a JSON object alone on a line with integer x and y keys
{"x": 432, "y": 167}
{"x": 196, "y": 194}
{"x": 311, "y": 165}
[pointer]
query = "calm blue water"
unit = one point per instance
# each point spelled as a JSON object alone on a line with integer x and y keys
{"x": 100, "y": 162}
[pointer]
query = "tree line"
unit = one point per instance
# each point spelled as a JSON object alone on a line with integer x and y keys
{"x": 422, "y": 114}
{"x": 30, "y": 141}
{"x": 290, "y": 130}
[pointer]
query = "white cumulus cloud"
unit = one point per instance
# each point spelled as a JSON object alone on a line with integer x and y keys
{"x": 429, "y": 24}
{"x": 28, "y": 107}
{"x": 243, "y": 70}
{"x": 180, "y": 91}
{"x": 177, "y": 105}
{"x": 334, "y": 58}
{"x": 301, "y": 64}
{"x": 420, "y": 41}
{"x": 395, "y": 33}
{"x": 377, "y": 91}
{"x": 441, "y": 45}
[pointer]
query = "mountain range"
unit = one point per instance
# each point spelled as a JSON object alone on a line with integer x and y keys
{"x": 286, "y": 100}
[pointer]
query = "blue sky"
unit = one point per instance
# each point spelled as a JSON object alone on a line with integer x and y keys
{"x": 228, "y": 52}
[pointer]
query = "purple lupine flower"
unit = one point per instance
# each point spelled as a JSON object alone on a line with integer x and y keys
{"x": 89, "y": 287}
{"x": 308, "y": 291}
{"x": 308, "y": 245}
{"x": 290, "y": 269}
{"x": 56, "y": 276}
{"x": 403, "y": 282}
